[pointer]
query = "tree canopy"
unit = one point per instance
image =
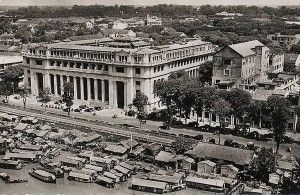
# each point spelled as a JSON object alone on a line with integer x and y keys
{"x": 262, "y": 165}
{"x": 68, "y": 95}
{"x": 279, "y": 113}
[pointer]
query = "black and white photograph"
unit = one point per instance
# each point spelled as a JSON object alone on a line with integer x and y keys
{"x": 132, "y": 97}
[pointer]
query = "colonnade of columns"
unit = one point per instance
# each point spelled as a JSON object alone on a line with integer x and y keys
{"x": 85, "y": 88}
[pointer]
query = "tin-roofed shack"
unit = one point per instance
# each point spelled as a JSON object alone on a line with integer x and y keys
{"x": 214, "y": 185}
{"x": 79, "y": 177}
{"x": 149, "y": 186}
{"x": 20, "y": 156}
{"x": 174, "y": 181}
{"x": 215, "y": 153}
{"x": 115, "y": 149}
{"x": 106, "y": 163}
{"x": 105, "y": 181}
{"x": 72, "y": 163}
{"x": 10, "y": 164}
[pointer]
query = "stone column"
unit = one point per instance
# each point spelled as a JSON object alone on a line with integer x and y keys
{"x": 55, "y": 84}
{"x": 111, "y": 92}
{"x": 47, "y": 82}
{"x": 88, "y": 81}
{"x": 26, "y": 77}
{"x": 33, "y": 83}
{"x": 96, "y": 89}
{"x": 75, "y": 87}
{"x": 81, "y": 89}
{"x": 103, "y": 90}
{"x": 61, "y": 84}
{"x": 115, "y": 103}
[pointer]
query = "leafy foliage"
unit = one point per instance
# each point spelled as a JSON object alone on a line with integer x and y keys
{"x": 44, "y": 96}
{"x": 239, "y": 101}
{"x": 68, "y": 95}
{"x": 6, "y": 89}
{"x": 12, "y": 74}
{"x": 262, "y": 165}
{"x": 279, "y": 112}
{"x": 140, "y": 101}
{"x": 24, "y": 92}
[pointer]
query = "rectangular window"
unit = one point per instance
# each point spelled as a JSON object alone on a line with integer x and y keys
{"x": 120, "y": 69}
{"x": 227, "y": 62}
{"x": 27, "y": 60}
{"x": 226, "y": 72}
{"x": 137, "y": 70}
{"x": 39, "y": 62}
{"x": 137, "y": 82}
{"x": 105, "y": 67}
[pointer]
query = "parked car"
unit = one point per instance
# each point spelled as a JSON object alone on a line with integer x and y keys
{"x": 176, "y": 122}
{"x": 131, "y": 113}
{"x": 212, "y": 141}
{"x": 198, "y": 137}
{"x": 77, "y": 110}
{"x": 228, "y": 142}
{"x": 250, "y": 146}
{"x": 193, "y": 124}
{"x": 286, "y": 140}
{"x": 164, "y": 127}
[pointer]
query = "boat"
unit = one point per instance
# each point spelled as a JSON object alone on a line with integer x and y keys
{"x": 4, "y": 176}
{"x": 42, "y": 175}
{"x": 59, "y": 173}
{"x": 17, "y": 181}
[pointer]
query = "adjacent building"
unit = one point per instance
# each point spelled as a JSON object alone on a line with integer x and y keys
{"x": 283, "y": 39}
{"x": 110, "y": 71}
{"x": 7, "y": 61}
{"x": 276, "y": 63}
{"x": 242, "y": 64}
{"x": 153, "y": 21}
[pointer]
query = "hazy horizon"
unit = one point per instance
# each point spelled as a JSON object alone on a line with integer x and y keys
{"x": 142, "y": 3}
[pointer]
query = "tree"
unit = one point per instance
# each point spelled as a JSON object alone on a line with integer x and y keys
{"x": 205, "y": 98}
{"x": 205, "y": 72}
{"x": 44, "y": 96}
{"x": 12, "y": 74}
{"x": 279, "y": 113}
{"x": 221, "y": 108}
{"x": 6, "y": 89}
{"x": 239, "y": 101}
{"x": 169, "y": 91}
{"x": 140, "y": 101}
{"x": 264, "y": 164}
{"x": 24, "y": 92}
{"x": 181, "y": 145}
{"x": 68, "y": 95}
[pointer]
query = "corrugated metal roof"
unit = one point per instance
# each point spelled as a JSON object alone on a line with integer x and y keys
{"x": 148, "y": 183}
{"x": 211, "y": 182}
{"x": 206, "y": 150}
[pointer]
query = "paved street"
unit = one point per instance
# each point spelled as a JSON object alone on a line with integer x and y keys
{"x": 106, "y": 116}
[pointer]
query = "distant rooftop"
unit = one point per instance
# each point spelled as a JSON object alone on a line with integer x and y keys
{"x": 11, "y": 59}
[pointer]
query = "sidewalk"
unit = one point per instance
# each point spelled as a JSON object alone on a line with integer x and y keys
{"x": 106, "y": 115}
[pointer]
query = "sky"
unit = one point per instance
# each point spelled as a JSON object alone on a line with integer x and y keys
{"x": 144, "y": 2}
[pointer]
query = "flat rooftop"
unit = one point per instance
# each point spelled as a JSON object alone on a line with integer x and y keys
{"x": 11, "y": 59}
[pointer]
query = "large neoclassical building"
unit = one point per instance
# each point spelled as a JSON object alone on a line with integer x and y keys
{"x": 110, "y": 70}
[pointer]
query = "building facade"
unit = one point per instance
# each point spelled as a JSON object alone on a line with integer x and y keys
{"x": 283, "y": 39}
{"x": 110, "y": 74}
{"x": 276, "y": 63}
{"x": 241, "y": 64}
{"x": 153, "y": 21}
{"x": 7, "y": 61}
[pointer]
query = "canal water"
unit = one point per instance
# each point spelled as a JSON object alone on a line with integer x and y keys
{"x": 64, "y": 186}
